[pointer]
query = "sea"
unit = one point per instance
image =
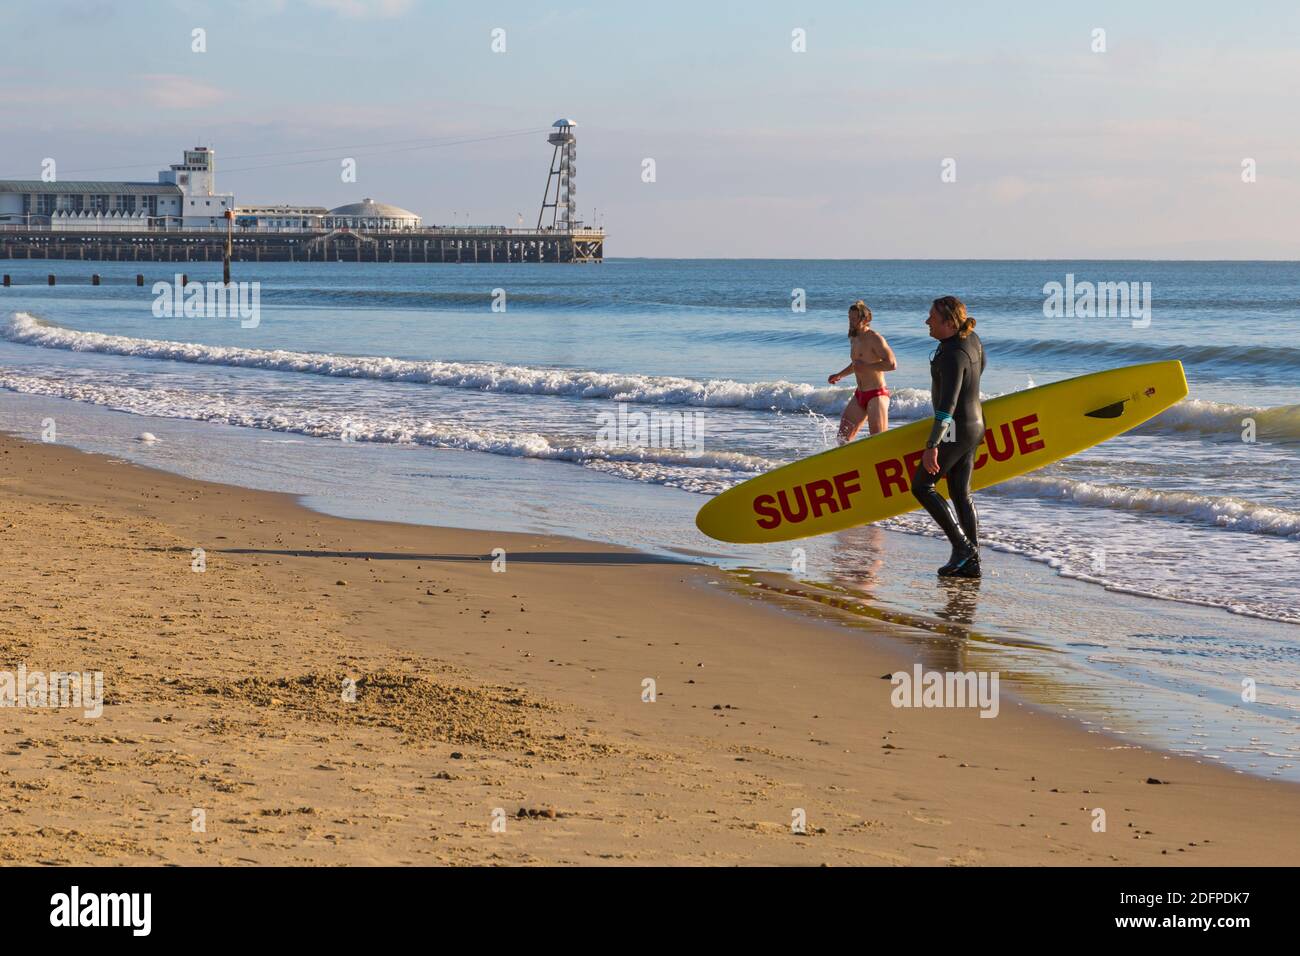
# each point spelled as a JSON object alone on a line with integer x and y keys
{"x": 1148, "y": 587}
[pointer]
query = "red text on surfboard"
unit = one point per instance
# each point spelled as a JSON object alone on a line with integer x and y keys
{"x": 1020, "y": 436}
{"x": 835, "y": 494}
{"x": 816, "y": 498}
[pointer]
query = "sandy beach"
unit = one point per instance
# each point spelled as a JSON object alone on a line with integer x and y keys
{"x": 499, "y": 715}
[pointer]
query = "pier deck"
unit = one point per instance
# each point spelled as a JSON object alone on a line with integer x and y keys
{"x": 464, "y": 245}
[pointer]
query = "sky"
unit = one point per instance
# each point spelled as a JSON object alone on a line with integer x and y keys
{"x": 1057, "y": 150}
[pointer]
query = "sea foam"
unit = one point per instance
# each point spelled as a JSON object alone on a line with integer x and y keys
{"x": 778, "y": 396}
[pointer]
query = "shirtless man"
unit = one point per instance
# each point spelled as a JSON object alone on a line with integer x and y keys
{"x": 871, "y": 359}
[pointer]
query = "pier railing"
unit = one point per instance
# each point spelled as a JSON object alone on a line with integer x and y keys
{"x": 466, "y": 244}
{"x": 442, "y": 232}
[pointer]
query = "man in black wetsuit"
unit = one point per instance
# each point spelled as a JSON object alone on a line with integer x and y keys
{"x": 958, "y": 428}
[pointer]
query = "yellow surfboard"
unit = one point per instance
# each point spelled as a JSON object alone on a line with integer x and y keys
{"x": 870, "y": 480}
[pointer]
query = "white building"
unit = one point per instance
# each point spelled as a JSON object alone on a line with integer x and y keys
{"x": 185, "y": 197}
{"x": 201, "y": 206}
{"x": 35, "y": 202}
{"x": 137, "y": 221}
{"x": 368, "y": 214}
{"x": 285, "y": 218}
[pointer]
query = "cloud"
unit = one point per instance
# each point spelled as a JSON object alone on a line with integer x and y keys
{"x": 365, "y": 9}
{"x": 1011, "y": 189}
{"x": 172, "y": 91}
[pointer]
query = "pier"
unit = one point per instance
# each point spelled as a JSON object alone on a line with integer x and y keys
{"x": 182, "y": 218}
{"x": 451, "y": 244}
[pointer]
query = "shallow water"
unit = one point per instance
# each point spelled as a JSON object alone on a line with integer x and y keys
{"x": 1163, "y": 566}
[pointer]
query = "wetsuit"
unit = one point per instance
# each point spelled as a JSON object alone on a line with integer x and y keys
{"x": 958, "y": 427}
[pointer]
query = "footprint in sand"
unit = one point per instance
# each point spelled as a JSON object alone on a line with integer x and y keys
{"x": 933, "y": 821}
{"x": 894, "y": 859}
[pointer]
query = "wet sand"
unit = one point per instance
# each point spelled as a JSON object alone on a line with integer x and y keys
{"x": 482, "y": 693}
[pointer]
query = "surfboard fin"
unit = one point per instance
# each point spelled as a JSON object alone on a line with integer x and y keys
{"x": 1113, "y": 410}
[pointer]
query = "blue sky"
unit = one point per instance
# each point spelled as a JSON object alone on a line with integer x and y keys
{"x": 759, "y": 151}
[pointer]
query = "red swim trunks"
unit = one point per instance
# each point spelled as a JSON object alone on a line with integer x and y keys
{"x": 865, "y": 397}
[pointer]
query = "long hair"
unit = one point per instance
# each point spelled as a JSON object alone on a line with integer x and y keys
{"x": 954, "y": 310}
{"x": 859, "y": 318}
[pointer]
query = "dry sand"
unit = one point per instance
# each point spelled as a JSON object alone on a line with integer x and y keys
{"x": 482, "y": 693}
